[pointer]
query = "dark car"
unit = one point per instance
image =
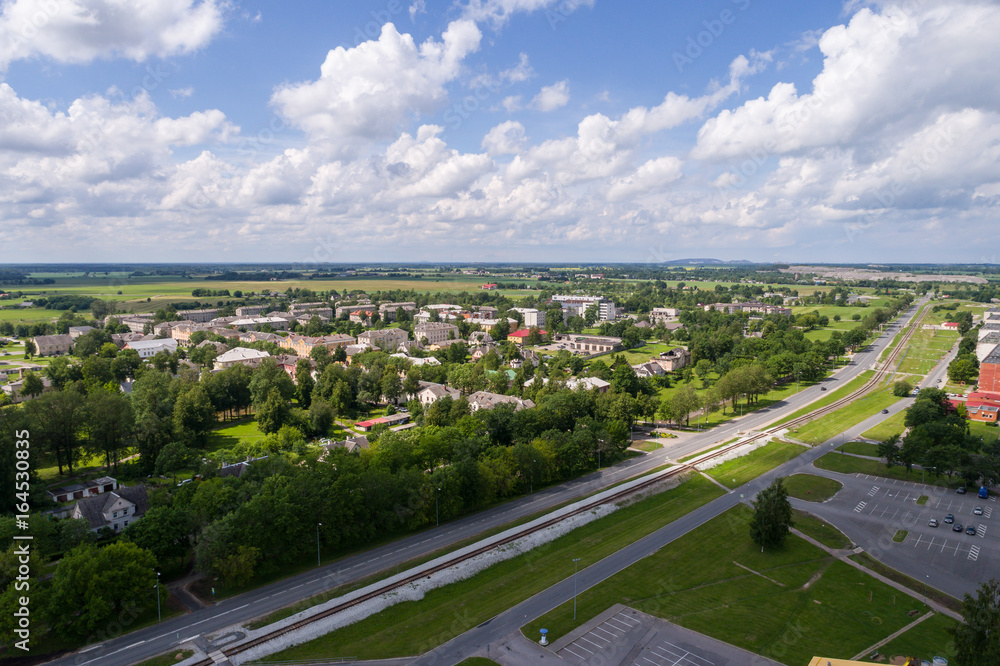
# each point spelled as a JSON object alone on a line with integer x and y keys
{"x": 885, "y": 411}
{"x": 957, "y": 527}
{"x": 961, "y": 490}
{"x": 822, "y": 388}
{"x": 970, "y": 530}
{"x": 950, "y": 518}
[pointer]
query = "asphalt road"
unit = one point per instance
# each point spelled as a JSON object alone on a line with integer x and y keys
{"x": 128, "y": 648}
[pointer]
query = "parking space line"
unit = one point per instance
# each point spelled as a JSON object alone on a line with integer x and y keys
{"x": 606, "y": 632}
{"x": 627, "y": 621}
{"x": 610, "y": 620}
{"x": 584, "y": 638}
{"x": 987, "y": 512}
{"x": 873, "y": 491}
{"x": 917, "y": 542}
{"x": 578, "y": 656}
{"x": 577, "y": 643}
{"x": 974, "y": 553}
{"x": 981, "y": 530}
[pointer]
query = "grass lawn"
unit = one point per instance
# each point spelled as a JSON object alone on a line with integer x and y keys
{"x": 814, "y": 603}
{"x": 869, "y": 562}
{"x": 860, "y": 448}
{"x": 926, "y": 348}
{"x": 811, "y": 488}
{"x": 925, "y": 641}
{"x": 647, "y": 446}
{"x": 900, "y": 536}
{"x": 829, "y": 426}
{"x": 643, "y": 354}
{"x": 819, "y": 529}
{"x": 985, "y": 430}
{"x": 835, "y": 462}
{"x": 891, "y": 426}
{"x": 229, "y": 436}
{"x": 831, "y": 396}
{"x": 734, "y": 473}
{"x": 415, "y": 627}
{"x": 476, "y": 661}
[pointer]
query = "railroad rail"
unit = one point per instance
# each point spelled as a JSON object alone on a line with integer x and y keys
{"x": 681, "y": 468}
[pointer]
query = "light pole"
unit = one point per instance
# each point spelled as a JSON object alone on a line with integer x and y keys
{"x": 317, "y": 543}
{"x": 159, "y": 617}
{"x": 576, "y": 561}
{"x": 533, "y": 477}
{"x": 437, "y": 514}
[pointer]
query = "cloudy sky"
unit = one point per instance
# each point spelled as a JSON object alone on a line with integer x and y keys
{"x": 499, "y": 130}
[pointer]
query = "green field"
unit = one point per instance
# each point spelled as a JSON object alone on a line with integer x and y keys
{"x": 814, "y": 604}
{"x": 647, "y": 446}
{"x": 891, "y": 426}
{"x": 986, "y": 431}
{"x": 835, "y": 462}
{"x": 734, "y": 473}
{"x": 830, "y": 397}
{"x": 860, "y": 448}
{"x": 829, "y": 426}
{"x": 925, "y": 641}
{"x": 811, "y": 488}
{"x": 417, "y": 626}
{"x": 826, "y": 534}
{"x": 925, "y": 349}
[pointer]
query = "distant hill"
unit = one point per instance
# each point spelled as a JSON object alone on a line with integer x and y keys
{"x": 706, "y": 262}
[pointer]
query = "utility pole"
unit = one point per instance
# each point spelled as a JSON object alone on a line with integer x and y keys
{"x": 317, "y": 543}
{"x": 576, "y": 561}
{"x": 159, "y": 618}
{"x": 437, "y": 514}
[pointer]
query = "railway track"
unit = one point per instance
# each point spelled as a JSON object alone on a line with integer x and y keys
{"x": 587, "y": 506}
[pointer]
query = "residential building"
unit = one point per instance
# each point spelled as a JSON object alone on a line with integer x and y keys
{"x": 77, "y": 331}
{"x": 588, "y": 384}
{"x": 489, "y": 287}
{"x": 486, "y": 400}
{"x": 122, "y": 339}
{"x": 303, "y": 345}
{"x": 435, "y": 332}
{"x": 14, "y": 389}
{"x": 289, "y": 363}
{"x": 387, "y": 311}
{"x": 201, "y": 316}
{"x": 242, "y": 355}
{"x": 276, "y": 323}
{"x": 115, "y": 509}
{"x": 664, "y": 315}
{"x": 983, "y": 407}
{"x": 391, "y": 421}
{"x": 385, "y": 338}
{"x": 78, "y": 491}
{"x": 429, "y": 360}
{"x": 351, "y": 445}
{"x": 576, "y": 305}
{"x": 758, "y": 308}
{"x": 362, "y": 316}
{"x": 649, "y": 369}
{"x": 477, "y": 338}
{"x": 52, "y": 345}
{"x": 150, "y": 348}
{"x": 521, "y": 336}
{"x": 183, "y": 331}
{"x": 532, "y": 318}
{"x": 321, "y": 309}
{"x": 989, "y": 327}
{"x": 237, "y": 469}
{"x": 250, "y": 310}
{"x": 259, "y": 336}
{"x": 345, "y": 310}
{"x": 429, "y": 393}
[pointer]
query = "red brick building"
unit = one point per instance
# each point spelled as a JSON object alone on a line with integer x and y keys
{"x": 989, "y": 373}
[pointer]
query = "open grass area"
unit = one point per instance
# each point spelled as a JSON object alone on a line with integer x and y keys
{"x": 925, "y": 641}
{"x": 734, "y": 473}
{"x": 925, "y": 349}
{"x": 829, "y": 426}
{"x": 893, "y": 425}
{"x": 814, "y": 604}
{"x": 414, "y": 627}
{"x": 647, "y": 446}
{"x": 643, "y": 354}
{"x": 228, "y": 436}
{"x": 476, "y": 661}
{"x": 835, "y": 462}
{"x": 819, "y": 529}
{"x": 986, "y": 431}
{"x": 860, "y": 448}
{"x": 869, "y": 562}
{"x": 811, "y": 488}
{"x": 831, "y": 396}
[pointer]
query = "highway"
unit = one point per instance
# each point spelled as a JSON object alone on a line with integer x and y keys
{"x": 136, "y": 646}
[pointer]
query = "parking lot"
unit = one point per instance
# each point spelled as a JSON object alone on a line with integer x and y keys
{"x": 628, "y": 637}
{"x": 871, "y": 510}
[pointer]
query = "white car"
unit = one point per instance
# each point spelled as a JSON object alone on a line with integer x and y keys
{"x": 978, "y": 511}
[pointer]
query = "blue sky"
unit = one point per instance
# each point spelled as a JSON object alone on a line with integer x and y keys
{"x": 499, "y": 130}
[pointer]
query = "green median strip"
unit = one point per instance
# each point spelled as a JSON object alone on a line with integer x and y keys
{"x": 848, "y": 416}
{"x": 414, "y": 627}
{"x": 811, "y": 488}
{"x": 734, "y": 473}
{"x": 900, "y": 536}
{"x": 835, "y": 462}
{"x": 830, "y": 397}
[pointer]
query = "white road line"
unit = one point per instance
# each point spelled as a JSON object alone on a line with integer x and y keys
{"x": 94, "y": 647}
{"x": 217, "y": 615}
{"x": 981, "y": 531}
{"x": 860, "y": 507}
{"x": 627, "y": 627}
{"x": 576, "y": 643}
{"x": 578, "y": 656}
{"x": 584, "y": 638}
{"x": 296, "y": 587}
{"x": 606, "y": 632}
{"x": 974, "y": 553}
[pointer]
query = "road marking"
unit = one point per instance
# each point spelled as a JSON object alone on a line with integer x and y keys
{"x": 188, "y": 639}
{"x": 584, "y": 638}
{"x": 871, "y": 493}
{"x": 215, "y": 616}
{"x": 577, "y": 644}
{"x": 134, "y": 645}
{"x": 860, "y": 507}
{"x": 919, "y": 537}
{"x": 606, "y": 632}
{"x": 987, "y": 512}
{"x": 578, "y": 656}
{"x": 94, "y": 647}
{"x": 981, "y": 531}
{"x": 296, "y": 587}
{"x": 974, "y": 553}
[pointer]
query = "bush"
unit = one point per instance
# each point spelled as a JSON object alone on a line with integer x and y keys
{"x": 902, "y": 388}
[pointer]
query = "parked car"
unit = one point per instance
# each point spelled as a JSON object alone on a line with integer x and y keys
{"x": 957, "y": 527}
{"x": 950, "y": 518}
{"x": 984, "y": 492}
{"x": 933, "y": 522}
{"x": 961, "y": 490}
{"x": 978, "y": 511}
{"x": 970, "y": 530}
{"x": 184, "y": 482}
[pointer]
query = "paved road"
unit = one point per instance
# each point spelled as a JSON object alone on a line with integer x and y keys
{"x": 136, "y": 646}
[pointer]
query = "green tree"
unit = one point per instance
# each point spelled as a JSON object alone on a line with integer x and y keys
{"x": 56, "y": 418}
{"x": 110, "y": 425}
{"x": 165, "y": 531}
{"x": 237, "y": 569}
{"x": 321, "y": 417}
{"x": 273, "y": 413}
{"x": 33, "y": 385}
{"x": 93, "y": 587}
{"x": 174, "y": 457}
{"x": 772, "y": 515}
{"x": 193, "y": 416}
{"x": 29, "y": 348}
{"x": 684, "y": 401}
{"x": 269, "y": 377}
{"x": 977, "y": 641}
{"x": 902, "y": 388}
{"x": 964, "y": 369}
{"x": 304, "y": 381}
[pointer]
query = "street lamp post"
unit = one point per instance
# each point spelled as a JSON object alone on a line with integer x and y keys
{"x": 317, "y": 543}
{"x": 533, "y": 476}
{"x": 437, "y": 514}
{"x": 159, "y": 617}
{"x": 576, "y": 561}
